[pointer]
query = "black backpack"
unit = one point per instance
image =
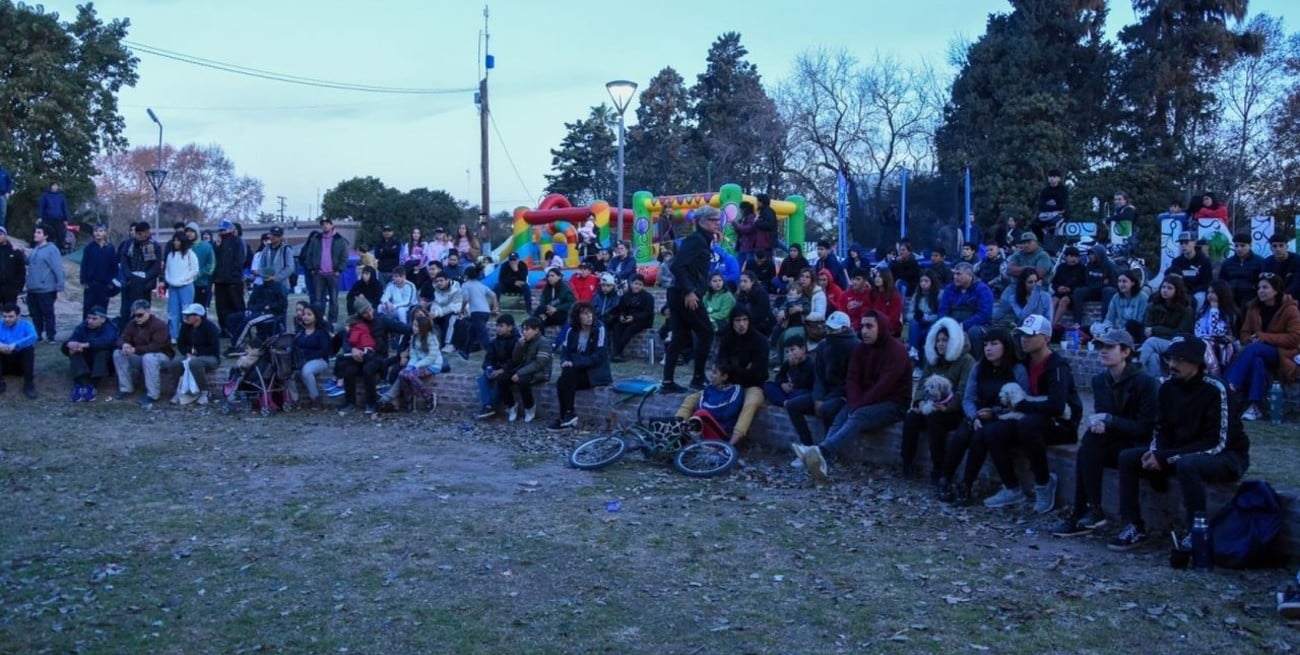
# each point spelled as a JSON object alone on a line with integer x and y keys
{"x": 1247, "y": 532}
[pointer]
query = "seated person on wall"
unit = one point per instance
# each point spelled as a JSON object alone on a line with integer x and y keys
{"x": 947, "y": 355}
{"x": 1099, "y": 284}
{"x": 1124, "y": 416}
{"x": 795, "y": 378}
{"x": 513, "y": 279}
{"x": 529, "y": 366}
{"x": 742, "y": 355}
{"x": 1032, "y": 255}
{"x": 496, "y": 363}
{"x": 18, "y": 349}
{"x": 967, "y": 301}
{"x": 1070, "y": 276}
{"x": 445, "y": 308}
{"x": 1127, "y": 309}
{"x": 635, "y": 313}
{"x": 367, "y": 286}
{"x": 762, "y": 268}
{"x": 90, "y": 352}
{"x": 878, "y": 390}
{"x": 556, "y": 301}
{"x": 584, "y": 283}
{"x": 992, "y": 269}
{"x": 1169, "y": 312}
{"x": 1241, "y": 269}
{"x": 423, "y": 360}
{"x": 718, "y": 301}
{"x": 312, "y": 342}
{"x": 1271, "y": 336}
{"x": 1053, "y": 420}
{"x": 199, "y": 347}
{"x": 399, "y": 296}
{"x": 605, "y": 302}
{"x": 622, "y": 266}
{"x": 584, "y": 362}
{"x": 718, "y": 406}
{"x": 145, "y": 347}
{"x": 885, "y": 299}
{"x": 1193, "y": 266}
{"x": 1198, "y": 439}
{"x": 1023, "y": 299}
{"x": 830, "y": 370}
{"x": 359, "y": 359}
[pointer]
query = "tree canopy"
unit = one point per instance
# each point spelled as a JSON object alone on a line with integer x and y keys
{"x": 374, "y": 204}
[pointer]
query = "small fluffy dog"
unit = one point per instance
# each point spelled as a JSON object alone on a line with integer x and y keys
{"x": 937, "y": 390}
{"x": 1012, "y": 394}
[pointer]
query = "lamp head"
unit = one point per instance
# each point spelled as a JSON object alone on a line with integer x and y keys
{"x": 621, "y": 91}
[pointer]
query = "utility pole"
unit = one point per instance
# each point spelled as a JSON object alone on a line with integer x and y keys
{"x": 485, "y": 205}
{"x": 281, "y": 208}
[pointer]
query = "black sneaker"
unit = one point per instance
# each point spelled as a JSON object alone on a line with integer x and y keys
{"x": 562, "y": 424}
{"x": 697, "y": 385}
{"x": 962, "y": 495}
{"x": 1070, "y": 527}
{"x": 1093, "y": 518}
{"x": 948, "y": 493}
{"x": 1129, "y": 538}
{"x": 30, "y": 391}
{"x": 672, "y": 387}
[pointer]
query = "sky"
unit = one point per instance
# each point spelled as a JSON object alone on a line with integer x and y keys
{"x": 552, "y": 62}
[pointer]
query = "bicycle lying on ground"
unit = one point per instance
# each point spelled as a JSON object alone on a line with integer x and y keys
{"x": 659, "y": 439}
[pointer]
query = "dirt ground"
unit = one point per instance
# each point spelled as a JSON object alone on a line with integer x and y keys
{"x": 185, "y": 531}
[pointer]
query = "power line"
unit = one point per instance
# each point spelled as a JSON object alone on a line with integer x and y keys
{"x": 288, "y": 79}
{"x": 502, "y": 141}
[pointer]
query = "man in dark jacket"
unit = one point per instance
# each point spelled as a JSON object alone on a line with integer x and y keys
{"x": 13, "y": 270}
{"x": 990, "y": 270}
{"x": 325, "y": 258}
{"x": 1241, "y": 270}
{"x": 496, "y": 363}
{"x": 198, "y": 347}
{"x": 98, "y": 271}
{"x": 1198, "y": 438}
{"x": 686, "y": 311}
{"x": 829, "y": 262}
{"x": 903, "y": 264}
{"x": 387, "y": 251}
{"x": 6, "y": 190}
{"x": 139, "y": 264}
{"x": 52, "y": 210}
{"x": 1196, "y": 269}
{"x": 90, "y": 353}
{"x": 743, "y": 351}
{"x": 635, "y": 312}
{"x": 830, "y": 369}
{"x": 228, "y": 275}
{"x": 878, "y": 390}
{"x": 1284, "y": 264}
{"x": 1099, "y": 283}
{"x": 1125, "y": 410}
{"x": 513, "y": 278}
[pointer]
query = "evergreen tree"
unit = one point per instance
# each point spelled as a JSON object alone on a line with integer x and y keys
{"x": 662, "y": 148}
{"x": 585, "y": 163}
{"x": 741, "y": 135}
{"x": 1030, "y": 97}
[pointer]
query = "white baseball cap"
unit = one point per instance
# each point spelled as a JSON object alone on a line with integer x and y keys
{"x": 1036, "y": 324}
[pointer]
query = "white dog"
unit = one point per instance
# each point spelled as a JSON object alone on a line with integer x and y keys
{"x": 937, "y": 390}
{"x": 1012, "y": 394}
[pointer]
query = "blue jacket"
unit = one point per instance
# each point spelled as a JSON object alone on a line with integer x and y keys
{"x": 971, "y": 306}
{"x": 622, "y": 268}
{"x": 723, "y": 262}
{"x": 832, "y": 263}
{"x": 103, "y": 338}
{"x": 53, "y": 206}
{"x": 21, "y": 335}
{"x": 723, "y": 404}
{"x": 6, "y": 182}
{"x": 98, "y": 264}
{"x": 594, "y": 358}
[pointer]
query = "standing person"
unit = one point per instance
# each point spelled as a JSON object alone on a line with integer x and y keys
{"x": 308, "y": 281}
{"x": 17, "y": 349}
{"x": 181, "y": 271}
{"x": 388, "y": 253}
{"x": 13, "y": 270}
{"x": 1124, "y": 416}
{"x": 877, "y": 392}
{"x": 480, "y": 304}
{"x": 635, "y": 312}
{"x": 1241, "y": 270}
{"x": 276, "y": 263}
{"x": 686, "y": 311}
{"x": 1053, "y": 420}
{"x": 584, "y": 362}
{"x": 44, "y": 282}
{"x": 228, "y": 276}
{"x": 139, "y": 265}
{"x": 746, "y": 230}
{"x": 52, "y": 210}
{"x": 98, "y": 274}
{"x": 207, "y": 256}
{"x": 326, "y": 260}
{"x": 1198, "y": 439}
{"x": 765, "y": 236}
{"x": 6, "y": 190}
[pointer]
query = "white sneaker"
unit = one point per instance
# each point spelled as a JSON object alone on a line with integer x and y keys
{"x": 1251, "y": 413}
{"x": 176, "y": 399}
{"x": 530, "y": 413}
{"x": 187, "y": 398}
{"x": 1005, "y": 497}
{"x": 203, "y": 398}
{"x": 449, "y": 348}
{"x": 815, "y": 462}
{"x": 796, "y": 463}
{"x": 512, "y": 413}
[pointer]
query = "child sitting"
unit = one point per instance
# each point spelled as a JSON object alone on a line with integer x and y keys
{"x": 718, "y": 406}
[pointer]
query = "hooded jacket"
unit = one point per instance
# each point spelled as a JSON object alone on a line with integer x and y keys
{"x": 45, "y": 269}
{"x": 592, "y": 357}
{"x": 531, "y": 360}
{"x": 954, "y": 363}
{"x": 1130, "y": 403}
{"x": 879, "y": 372}
{"x": 13, "y": 269}
{"x": 759, "y": 304}
{"x": 1101, "y": 272}
{"x": 1056, "y": 386}
{"x": 1283, "y": 333}
{"x": 1198, "y": 416}
{"x": 745, "y": 353}
{"x": 831, "y": 364}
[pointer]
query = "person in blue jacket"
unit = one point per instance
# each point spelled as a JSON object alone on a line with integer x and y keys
{"x": 726, "y": 265}
{"x": 98, "y": 271}
{"x": 828, "y": 261}
{"x": 52, "y": 209}
{"x": 622, "y": 266}
{"x": 17, "y": 349}
{"x": 969, "y": 302}
{"x": 90, "y": 353}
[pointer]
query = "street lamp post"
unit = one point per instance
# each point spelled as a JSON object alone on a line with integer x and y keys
{"x": 158, "y": 174}
{"x": 620, "y": 91}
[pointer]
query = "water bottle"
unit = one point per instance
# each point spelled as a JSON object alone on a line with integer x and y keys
{"x": 1202, "y": 554}
{"x": 1072, "y": 336}
{"x": 1276, "y": 403}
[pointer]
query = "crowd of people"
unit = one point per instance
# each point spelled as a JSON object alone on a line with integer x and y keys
{"x": 859, "y": 345}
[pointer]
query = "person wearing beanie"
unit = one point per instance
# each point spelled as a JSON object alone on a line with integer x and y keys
{"x": 606, "y": 300}
{"x": 90, "y": 353}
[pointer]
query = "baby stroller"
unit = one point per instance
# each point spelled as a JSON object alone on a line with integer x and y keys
{"x": 259, "y": 379}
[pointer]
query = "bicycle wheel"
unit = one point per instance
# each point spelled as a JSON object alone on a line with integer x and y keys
{"x": 705, "y": 459}
{"x": 598, "y": 453}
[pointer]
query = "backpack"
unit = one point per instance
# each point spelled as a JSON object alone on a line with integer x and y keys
{"x": 1247, "y": 532}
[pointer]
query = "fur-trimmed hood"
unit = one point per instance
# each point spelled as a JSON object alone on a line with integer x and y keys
{"x": 957, "y": 343}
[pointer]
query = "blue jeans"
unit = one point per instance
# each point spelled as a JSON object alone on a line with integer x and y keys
{"x": 850, "y": 423}
{"x": 1251, "y": 370}
{"x": 777, "y": 396}
{"x": 476, "y": 332}
{"x": 487, "y": 391}
{"x": 916, "y": 332}
{"x": 178, "y": 298}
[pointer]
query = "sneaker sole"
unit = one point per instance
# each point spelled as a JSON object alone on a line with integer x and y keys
{"x": 1001, "y": 504}
{"x": 1114, "y": 548}
{"x": 1077, "y": 532}
{"x": 1099, "y": 524}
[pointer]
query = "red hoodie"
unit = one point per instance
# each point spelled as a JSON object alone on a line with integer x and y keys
{"x": 891, "y": 307}
{"x": 856, "y": 305}
{"x": 834, "y": 294}
{"x": 879, "y": 372}
{"x": 584, "y": 287}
